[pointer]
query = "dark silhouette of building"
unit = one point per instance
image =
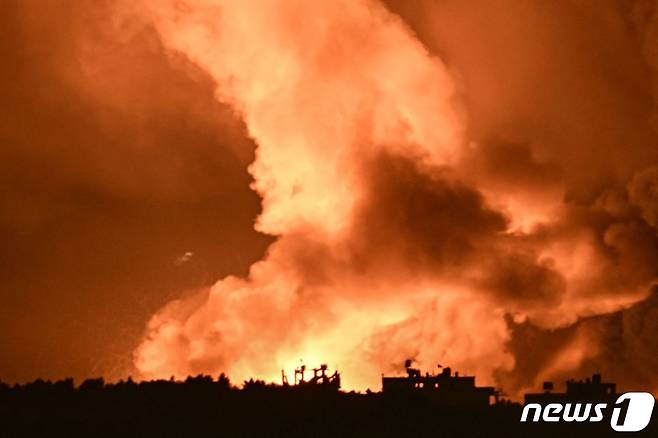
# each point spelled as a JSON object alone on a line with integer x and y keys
{"x": 591, "y": 389}
{"x": 442, "y": 388}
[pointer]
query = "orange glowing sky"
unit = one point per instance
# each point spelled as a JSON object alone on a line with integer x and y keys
{"x": 349, "y": 182}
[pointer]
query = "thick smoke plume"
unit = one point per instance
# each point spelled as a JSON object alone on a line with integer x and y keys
{"x": 412, "y": 219}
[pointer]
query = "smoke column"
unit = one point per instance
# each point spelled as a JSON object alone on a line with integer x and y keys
{"x": 396, "y": 236}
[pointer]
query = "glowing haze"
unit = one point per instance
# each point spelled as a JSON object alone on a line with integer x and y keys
{"x": 398, "y": 235}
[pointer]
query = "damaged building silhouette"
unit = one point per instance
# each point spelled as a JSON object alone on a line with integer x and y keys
{"x": 320, "y": 378}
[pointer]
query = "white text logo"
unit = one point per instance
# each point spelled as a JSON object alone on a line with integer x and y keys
{"x": 631, "y": 412}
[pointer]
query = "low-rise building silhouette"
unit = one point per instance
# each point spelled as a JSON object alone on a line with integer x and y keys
{"x": 443, "y": 388}
{"x": 591, "y": 389}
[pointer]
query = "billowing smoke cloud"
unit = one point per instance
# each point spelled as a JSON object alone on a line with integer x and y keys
{"x": 562, "y": 102}
{"x": 423, "y": 209}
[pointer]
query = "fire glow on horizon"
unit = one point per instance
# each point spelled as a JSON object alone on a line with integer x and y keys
{"x": 390, "y": 243}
